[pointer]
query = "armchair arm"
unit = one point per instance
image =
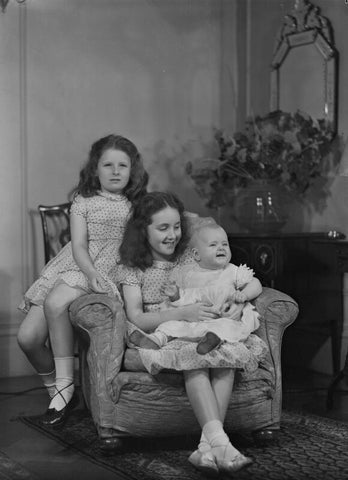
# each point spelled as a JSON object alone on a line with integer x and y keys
{"x": 276, "y": 306}
{"x": 277, "y": 311}
{"x": 101, "y": 325}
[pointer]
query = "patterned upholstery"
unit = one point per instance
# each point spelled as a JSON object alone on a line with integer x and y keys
{"x": 125, "y": 400}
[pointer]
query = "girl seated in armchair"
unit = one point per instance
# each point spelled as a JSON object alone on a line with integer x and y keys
{"x": 211, "y": 279}
{"x": 152, "y": 248}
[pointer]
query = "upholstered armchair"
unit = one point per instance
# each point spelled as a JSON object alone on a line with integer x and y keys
{"x": 125, "y": 400}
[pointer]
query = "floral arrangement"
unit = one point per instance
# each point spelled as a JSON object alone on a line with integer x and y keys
{"x": 293, "y": 150}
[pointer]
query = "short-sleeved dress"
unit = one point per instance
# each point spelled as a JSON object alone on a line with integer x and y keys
{"x": 180, "y": 354}
{"x": 106, "y": 215}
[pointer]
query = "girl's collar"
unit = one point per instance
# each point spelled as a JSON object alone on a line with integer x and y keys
{"x": 164, "y": 265}
{"x": 112, "y": 196}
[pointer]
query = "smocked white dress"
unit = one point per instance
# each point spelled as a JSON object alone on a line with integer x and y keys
{"x": 106, "y": 215}
{"x": 213, "y": 287}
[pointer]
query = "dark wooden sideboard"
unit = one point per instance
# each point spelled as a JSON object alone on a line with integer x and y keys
{"x": 309, "y": 267}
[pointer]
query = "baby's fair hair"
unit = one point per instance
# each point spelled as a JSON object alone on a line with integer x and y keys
{"x": 89, "y": 184}
{"x": 204, "y": 225}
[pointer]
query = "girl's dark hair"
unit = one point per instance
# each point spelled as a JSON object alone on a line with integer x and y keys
{"x": 89, "y": 183}
{"x": 135, "y": 250}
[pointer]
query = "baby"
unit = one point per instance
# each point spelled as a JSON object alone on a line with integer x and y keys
{"x": 211, "y": 279}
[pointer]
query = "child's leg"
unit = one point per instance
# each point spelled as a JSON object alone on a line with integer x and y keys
{"x": 142, "y": 340}
{"x": 152, "y": 341}
{"x": 207, "y": 410}
{"x": 166, "y": 332}
{"x": 222, "y": 380}
{"x": 62, "y": 341}
{"x": 32, "y": 339}
{"x": 209, "y": 342}
{"x": 201, "y": 395}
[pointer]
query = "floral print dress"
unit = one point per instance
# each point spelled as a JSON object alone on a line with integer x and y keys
{"x": 106, "y": 215}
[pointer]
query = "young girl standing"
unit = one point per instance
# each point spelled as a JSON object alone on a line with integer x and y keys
{"x": 112, "y": 178}
{"x": 154, "y": 238}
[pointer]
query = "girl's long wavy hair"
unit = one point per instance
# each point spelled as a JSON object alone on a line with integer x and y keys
{"x": 135, "y": 250}
{"x": 89, "y": 184}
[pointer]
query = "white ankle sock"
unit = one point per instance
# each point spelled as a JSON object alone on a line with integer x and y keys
{"x": 213, "y": 431}
{"x": 64, "y": 387}
{"x": 203, "y": 445}
{"x": 221, "y": 446}
{"x": 160, "y": 338}
{"x": 49, "y": 380}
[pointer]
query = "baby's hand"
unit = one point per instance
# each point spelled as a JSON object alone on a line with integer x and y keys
{"x": 170, "y": 290}
{"x": 232, "y": 311}
{"x": 239, "y": 297}
{"x": 225, "y": 309}
{"x": 164, "y": 305}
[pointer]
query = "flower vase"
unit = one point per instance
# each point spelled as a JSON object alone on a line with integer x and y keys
{"x": 262, "y": 207}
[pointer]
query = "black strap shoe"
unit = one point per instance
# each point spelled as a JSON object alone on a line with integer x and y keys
{"x": 56, "y": 418}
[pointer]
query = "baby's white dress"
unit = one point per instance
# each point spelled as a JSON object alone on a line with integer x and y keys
{"x": 213, "y": 287}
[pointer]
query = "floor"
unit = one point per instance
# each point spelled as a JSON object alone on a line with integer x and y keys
{"x": 307, "y": 391}
{"x": 41, "y": 457}
{"x": 44, "y": 459}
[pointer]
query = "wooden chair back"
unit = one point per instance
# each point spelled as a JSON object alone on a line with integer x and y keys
{"x": 55, "y": 222}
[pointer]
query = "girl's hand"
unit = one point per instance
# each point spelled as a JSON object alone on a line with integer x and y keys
{"x": 199, "y": 312}
{"x": 170, "y": 290}
{"x": 97, "y": 283}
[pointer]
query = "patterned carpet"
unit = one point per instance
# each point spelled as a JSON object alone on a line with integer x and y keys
{"x": 308, "y": 447}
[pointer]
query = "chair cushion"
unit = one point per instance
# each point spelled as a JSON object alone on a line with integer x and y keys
{"x": 139, "y": 396}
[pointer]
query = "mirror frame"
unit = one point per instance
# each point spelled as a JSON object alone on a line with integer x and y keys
{"x": 306, "y": 26}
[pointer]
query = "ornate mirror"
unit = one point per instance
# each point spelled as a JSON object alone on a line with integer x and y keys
{"x": 303, "y": 70}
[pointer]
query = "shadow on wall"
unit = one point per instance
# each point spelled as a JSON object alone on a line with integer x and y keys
{"x": 167, "y": 169}
{"x": 314, "y": 202}
{"x": 5, "y": 296}
{"x": 36, "y": 242}
{"x": 5, "y": 319}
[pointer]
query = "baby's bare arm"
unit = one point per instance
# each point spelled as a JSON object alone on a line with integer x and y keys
{"x": 249, "y": 292}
